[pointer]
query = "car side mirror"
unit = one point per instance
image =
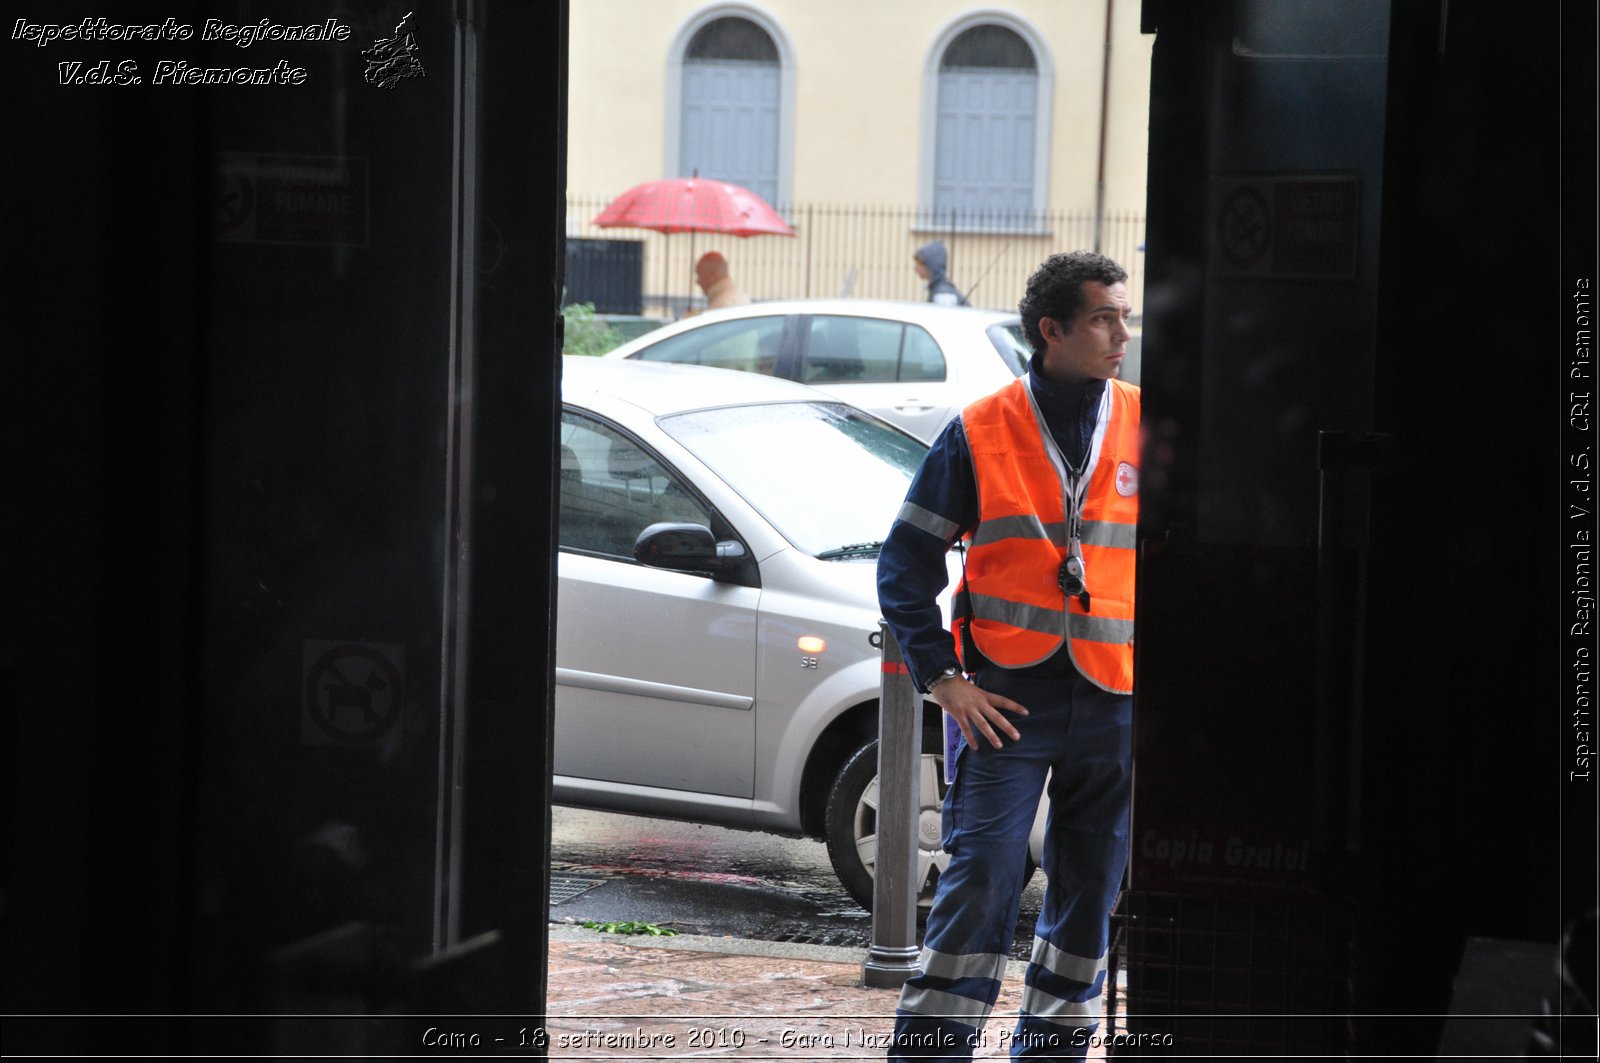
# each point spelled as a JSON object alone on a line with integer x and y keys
{"x": 692, "y": 548}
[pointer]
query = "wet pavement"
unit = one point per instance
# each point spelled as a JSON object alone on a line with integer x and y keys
{"x": 768, "y": 961}
{"x": 614, "y": 997}
{"x": 711, "y": 881}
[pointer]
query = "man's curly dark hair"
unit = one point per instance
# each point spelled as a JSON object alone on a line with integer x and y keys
{"x": 1056, "y": 289}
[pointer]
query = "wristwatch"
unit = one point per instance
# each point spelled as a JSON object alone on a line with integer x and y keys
{"x": 948, "y": 673}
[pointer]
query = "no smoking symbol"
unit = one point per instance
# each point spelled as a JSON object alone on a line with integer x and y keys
{"x": 353, "y": 693}
{"x": 1244, "y": 228}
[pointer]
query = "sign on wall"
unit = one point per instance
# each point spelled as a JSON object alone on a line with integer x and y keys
{"x": 353, "y": 692}
{"x": 1286, "y": 226}
{"x": 291, "y": 199}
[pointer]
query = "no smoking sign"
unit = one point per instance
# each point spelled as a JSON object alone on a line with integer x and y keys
{"x": 1286, "y": 226}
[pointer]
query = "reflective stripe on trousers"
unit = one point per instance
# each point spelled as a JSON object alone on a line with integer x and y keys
{"x": 1081, "y": 736}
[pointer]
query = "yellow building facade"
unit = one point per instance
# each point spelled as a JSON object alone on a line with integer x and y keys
{"x": 873, "y": 126}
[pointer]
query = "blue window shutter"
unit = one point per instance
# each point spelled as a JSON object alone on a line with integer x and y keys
{"x": 730, "y": 123}
{"x": 983, "y": 160}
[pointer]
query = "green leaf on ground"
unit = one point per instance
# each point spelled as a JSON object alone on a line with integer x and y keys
{"x": 630, "y": 928}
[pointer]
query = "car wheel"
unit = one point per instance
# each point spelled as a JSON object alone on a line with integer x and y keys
{"x": 852, "y": 822}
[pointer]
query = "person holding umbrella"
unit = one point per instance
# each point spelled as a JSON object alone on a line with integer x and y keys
{"x": 696, "y": 205}
{"x": 711, "y": 274}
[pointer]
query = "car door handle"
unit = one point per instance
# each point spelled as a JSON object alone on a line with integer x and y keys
{"x": 913, "y": 406}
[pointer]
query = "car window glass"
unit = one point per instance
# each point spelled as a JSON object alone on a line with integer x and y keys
{"x": 749, "y": 345}
{"x": 852, "y": 350}
{"x": 1013, "y": 346}
{"x": 920, "y": 357}
{"x": 612, "y": 489}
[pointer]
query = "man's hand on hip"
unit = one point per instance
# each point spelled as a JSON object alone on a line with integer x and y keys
{"x": 977, "y": 711}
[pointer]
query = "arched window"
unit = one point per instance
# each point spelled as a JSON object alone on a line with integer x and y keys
{"x": 987, "y": 126}
{"x": 731, "y": 106}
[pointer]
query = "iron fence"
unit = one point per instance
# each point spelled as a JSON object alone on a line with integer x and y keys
{"x": 866, "y": 252}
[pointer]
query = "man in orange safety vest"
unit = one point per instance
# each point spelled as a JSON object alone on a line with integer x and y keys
{"x": 1040, "y": 480}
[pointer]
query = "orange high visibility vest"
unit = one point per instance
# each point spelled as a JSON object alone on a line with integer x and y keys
{"x": 1020, "y": 616}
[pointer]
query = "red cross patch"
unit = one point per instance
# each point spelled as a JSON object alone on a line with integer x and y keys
{"x": 1127, "y": 480}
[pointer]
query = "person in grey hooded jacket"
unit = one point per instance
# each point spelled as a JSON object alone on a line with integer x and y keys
{"x": 931, "y": 261}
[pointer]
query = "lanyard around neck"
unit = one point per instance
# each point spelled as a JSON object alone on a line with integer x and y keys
{"x": 1074, "y": 481}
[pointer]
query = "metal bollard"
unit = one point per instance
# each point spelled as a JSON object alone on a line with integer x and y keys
{"x": 894, "y": 953}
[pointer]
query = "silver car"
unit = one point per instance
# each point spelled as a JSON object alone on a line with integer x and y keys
{"x": 718, "y": 539}
{"x": 913, "y": 364}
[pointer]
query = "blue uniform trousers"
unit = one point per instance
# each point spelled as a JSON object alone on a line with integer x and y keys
{"x": 1080, "y": 736}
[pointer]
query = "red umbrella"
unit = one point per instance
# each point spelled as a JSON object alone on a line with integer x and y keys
{"x": 693, "y": 204}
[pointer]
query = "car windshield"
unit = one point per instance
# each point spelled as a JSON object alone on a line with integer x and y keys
{"x": 826, "y": 475}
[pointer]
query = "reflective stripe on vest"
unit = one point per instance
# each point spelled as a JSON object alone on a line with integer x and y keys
{"x": 1020, "y": 615}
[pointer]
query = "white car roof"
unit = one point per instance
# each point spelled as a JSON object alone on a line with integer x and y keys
{"x": 902, "y": 309}
{"x": 933, "y": 316}
{"x": 661, "y": 388}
